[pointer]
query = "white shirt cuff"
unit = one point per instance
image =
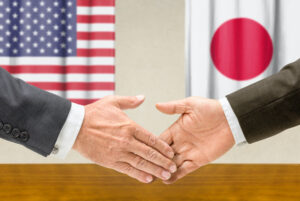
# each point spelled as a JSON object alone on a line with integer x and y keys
{"x": 69, "y": 132}
{"x": 233, "y": 122}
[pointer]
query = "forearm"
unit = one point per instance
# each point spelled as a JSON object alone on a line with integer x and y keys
{"x": 38, "y": 113}
{"x": 269, "y": 106}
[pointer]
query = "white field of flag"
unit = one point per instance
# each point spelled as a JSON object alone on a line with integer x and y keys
{"x": 280, "y": 19}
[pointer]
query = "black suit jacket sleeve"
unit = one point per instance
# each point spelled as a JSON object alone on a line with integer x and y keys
{"x": 269, "y": 106}
{"x": 30, "y": 116}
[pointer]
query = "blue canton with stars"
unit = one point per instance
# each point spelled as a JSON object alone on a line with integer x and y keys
{"x": 37, "y": 28}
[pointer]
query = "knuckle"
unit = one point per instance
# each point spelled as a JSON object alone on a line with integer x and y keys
{"x": 181, "y": 108}
{"x": 140, "y": 162}
{"x": 121, "y": 156}
{"x": 129, "y": 130}
{"x": 125, "y": 141}
{"x": 127, "y": 168}
{"x": 151, "y": 154}
{"x": 152, "y": 140}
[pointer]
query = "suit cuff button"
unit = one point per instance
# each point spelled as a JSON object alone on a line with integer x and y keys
{"x": 55, "y": 150}
{"x": 15, "y": 133}
{"x": 7, "y": 128}
{"x": 24, "y": 136}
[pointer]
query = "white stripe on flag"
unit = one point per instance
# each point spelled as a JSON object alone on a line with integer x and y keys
{"x": 95, "y": 10}
{"x": 87, "y": 44}
{"x": 86, "y": 61}
{"x": 95, "y": 94}
{"x": 40, "y": 77}
{"x": 95, "y": 27}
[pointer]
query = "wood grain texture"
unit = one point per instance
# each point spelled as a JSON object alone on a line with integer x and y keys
{"x": 93, "y": 183}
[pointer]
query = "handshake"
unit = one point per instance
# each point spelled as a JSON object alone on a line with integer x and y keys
{"x": 109, "y": 138}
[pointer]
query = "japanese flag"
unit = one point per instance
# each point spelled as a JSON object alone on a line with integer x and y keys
{"x": 233, "y": 43}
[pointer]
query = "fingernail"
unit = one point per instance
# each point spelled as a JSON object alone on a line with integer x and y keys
{"x": 173, "y": 168}
{"x": 166, "y": 175}
{"x": 140, "y": 97}
{"x": 149, "y": 179}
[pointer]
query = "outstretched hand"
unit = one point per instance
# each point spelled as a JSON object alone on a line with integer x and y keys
{"x": 199, "y": 136}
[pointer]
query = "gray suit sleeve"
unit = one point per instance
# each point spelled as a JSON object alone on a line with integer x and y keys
{"x": 269, "y": 106}
{"x": 30, "y": 116}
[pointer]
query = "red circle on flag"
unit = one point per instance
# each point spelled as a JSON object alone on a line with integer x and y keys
{"x": 241, "y": 49}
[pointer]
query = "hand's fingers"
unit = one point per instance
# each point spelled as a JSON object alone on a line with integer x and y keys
{"x": 154, "y": 142}
{"x": 152, "y": 155}
{"x": 146, "y": 166}
{"x": 125, "y": 168}
{"x": 186, "y": 168}
{"x": 128, "y": 102}
{"x": 173, "y": 107}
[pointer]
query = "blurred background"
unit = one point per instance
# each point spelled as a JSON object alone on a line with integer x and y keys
{"x": 150, "y": 60}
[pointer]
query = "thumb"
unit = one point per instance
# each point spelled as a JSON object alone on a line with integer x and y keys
{"x": 129, "y": 102}
{"x": 173, "y": 107}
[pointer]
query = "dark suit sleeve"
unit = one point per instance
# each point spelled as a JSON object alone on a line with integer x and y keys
{"x": 30, "y": 116}
{"x": 270, "y": 106}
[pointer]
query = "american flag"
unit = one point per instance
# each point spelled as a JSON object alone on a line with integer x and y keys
{"x": 63, "y": 46}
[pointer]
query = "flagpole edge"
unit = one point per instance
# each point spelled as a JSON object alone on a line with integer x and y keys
{"x": 187, "y": 46}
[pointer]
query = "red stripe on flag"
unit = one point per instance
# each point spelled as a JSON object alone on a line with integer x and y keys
{"x": 96, "y": 19}
{"x": 87, "y": 86}
{"x": 60, "y": 69}
{"x": 96, "y": 52}
{"x": 95, "y": 35}
{"x": 83, "y": 101}
{"x": 96, "y": 2}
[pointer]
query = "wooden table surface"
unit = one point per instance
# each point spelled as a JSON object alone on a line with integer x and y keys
{"x": 93, "y": 183}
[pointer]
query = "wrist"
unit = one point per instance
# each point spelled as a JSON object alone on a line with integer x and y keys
{"x": 225, "y": 127}
{"x": 81, "y": 131}
{"x": 69, "y": 132}
{"x": 232, "y": 121}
